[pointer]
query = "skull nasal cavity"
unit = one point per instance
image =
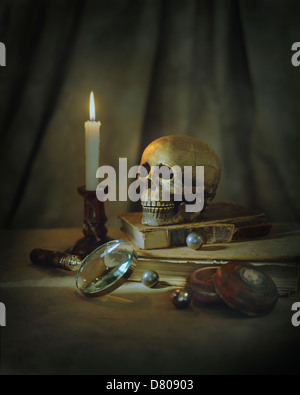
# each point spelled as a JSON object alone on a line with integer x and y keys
{"x": 165, "y": 172}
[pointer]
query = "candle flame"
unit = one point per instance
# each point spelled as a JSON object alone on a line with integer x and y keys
{"x": 92, "y": 107}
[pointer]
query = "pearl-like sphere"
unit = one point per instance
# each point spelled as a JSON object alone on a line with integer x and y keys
{"x": 150, "y": 278}
{"x": 194, "y": 240}
{"x": 181, "y": 298}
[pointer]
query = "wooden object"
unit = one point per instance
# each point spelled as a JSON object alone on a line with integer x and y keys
{"x": 246, "y": 288}
{"x": 57, "y": 259}
{"x": 221, "y": 223}
{"x": 94, "y": 229}
{"x": 200, "y": 284}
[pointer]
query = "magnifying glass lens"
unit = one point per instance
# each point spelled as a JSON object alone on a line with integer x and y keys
{"x": 106, "y": 268}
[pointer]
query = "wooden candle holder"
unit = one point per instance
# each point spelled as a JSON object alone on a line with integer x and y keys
{"x": 94, "y": 229}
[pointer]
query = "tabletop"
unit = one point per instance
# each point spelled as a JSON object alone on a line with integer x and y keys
{"x": 53, "y": 329}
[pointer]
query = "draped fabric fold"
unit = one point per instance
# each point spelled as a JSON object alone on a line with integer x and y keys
{"x": 219, "y": 71}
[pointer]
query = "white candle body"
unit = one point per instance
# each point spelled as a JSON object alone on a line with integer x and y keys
{"x": 92, "y": 153}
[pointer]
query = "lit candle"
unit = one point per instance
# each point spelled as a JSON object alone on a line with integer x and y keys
{"x": 92, "y": 148}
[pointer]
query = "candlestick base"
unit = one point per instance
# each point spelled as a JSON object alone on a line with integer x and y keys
{"x": 94, "y": 229}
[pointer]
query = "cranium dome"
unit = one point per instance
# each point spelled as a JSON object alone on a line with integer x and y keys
{"x": 176, "y": 151}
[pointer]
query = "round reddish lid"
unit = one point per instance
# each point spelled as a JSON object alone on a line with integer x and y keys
{"x": 201, "y": 285}
{"x": 246, "y": 288}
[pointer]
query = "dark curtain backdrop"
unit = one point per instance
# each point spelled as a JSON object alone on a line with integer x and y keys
{"x": 220, "y": 71}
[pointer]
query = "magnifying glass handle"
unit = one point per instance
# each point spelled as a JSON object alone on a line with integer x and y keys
{"x": 54, "y": 258}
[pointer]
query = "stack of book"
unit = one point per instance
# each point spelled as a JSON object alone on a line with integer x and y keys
{"x": 231, "y": 232}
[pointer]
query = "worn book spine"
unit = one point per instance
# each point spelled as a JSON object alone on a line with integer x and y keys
{"x": 251, "y": 231}
{"x": 222, "y": 223}
{"x": 174, "y": 237}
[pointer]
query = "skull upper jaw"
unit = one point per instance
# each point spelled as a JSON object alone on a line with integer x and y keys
{"x": 161, "y": 214}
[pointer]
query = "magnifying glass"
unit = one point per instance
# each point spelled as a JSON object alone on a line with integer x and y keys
{"x": 101, "y": 272}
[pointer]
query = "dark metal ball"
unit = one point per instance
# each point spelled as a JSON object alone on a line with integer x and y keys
{"x": 150, "y": 278}
{"x": 194, "y": 240}
{"x": 181, "y": 298}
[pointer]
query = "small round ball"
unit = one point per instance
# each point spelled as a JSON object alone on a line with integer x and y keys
{"x": 150, "y": 278}
{"x": 181, "y": 298}
{"x": 194, "y": 240}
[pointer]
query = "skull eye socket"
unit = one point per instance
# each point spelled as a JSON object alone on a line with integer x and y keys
{"x": 165, "y": 172}
{"x": 146, "y": 167}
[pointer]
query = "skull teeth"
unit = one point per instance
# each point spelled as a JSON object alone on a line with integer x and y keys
{"x": 154, "y": 203}
{"x": 158, "y": 206}
{"x": 158, "y": 209}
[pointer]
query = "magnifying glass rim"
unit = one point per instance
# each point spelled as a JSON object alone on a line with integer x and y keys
{"x": 116, "y": 284}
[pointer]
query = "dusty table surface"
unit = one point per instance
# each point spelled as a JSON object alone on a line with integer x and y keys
{"x": 52, "y": 329}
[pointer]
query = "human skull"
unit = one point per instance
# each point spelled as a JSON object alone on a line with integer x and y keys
{"x": 176, "y": 152}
